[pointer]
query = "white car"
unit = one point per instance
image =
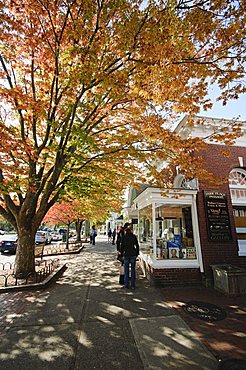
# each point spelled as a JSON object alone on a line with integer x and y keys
{"x": 55, "y": 236}
{"x": 42, "y": 237}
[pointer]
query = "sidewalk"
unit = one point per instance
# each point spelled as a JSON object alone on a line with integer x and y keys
{"x": 225, "y": 338}
{"x": 87, "y": 321}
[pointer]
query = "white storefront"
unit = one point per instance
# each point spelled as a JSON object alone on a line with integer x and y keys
{"x": 168, "y": 231}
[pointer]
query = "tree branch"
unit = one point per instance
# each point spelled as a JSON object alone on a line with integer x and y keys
{"x": 15, "y": 100}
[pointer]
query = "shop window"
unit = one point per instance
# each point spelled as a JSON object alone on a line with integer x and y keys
{"x": 181, "y": 182}
{"x": 237, "y": 177}
{"x": 146, "y": 229}
{"x": 237, "y": 184}
{"x": 174, "y": 233}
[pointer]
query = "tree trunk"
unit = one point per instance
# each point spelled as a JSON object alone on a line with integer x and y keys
{"x": 25, "y": 260}
{"x": 68, "y": 230}
{"x": 78, "y": 227}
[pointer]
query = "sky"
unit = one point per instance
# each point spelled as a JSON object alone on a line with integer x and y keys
{"x": 233, "y": 109}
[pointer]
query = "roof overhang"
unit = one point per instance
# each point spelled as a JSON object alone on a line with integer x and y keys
{"x": 165, "y": 197}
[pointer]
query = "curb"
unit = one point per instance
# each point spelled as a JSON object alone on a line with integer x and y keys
{"x": 46, "y": 282}
{"x": 77, "y": 251}
{"x": 36, "y": 286}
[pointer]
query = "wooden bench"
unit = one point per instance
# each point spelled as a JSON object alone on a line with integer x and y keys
{"x": 39, "y": 251}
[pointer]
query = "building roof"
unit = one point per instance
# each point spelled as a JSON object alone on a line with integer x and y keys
{"x": 204, "y": 127}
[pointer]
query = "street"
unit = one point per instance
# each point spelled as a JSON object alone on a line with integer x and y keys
{"x": 4, "y": 257}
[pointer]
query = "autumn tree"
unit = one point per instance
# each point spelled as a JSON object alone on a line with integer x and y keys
{"x": 64, "y": 213}
{"x": 95, "y": 210}
{"x": 87, "y": 81}
{"x": 92, "y": 199}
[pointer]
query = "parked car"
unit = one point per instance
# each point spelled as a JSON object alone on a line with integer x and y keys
{"x": 43, "y": 237}
{"x": 47, "y": 229}
{"x": 62, "y": 231}
{"x": 8, "y": 243}
{"x": 55, "y": 236}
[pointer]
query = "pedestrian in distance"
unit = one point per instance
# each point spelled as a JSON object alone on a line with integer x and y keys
{"x": 129, "y": 251}
{"x": 113, "y": 236}
{"x": 119, "y": 237}
{"x": 109, "y": 235}
{"x": 93, "y": 235}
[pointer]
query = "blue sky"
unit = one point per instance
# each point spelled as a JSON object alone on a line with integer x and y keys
{"x": 233, "y": 109}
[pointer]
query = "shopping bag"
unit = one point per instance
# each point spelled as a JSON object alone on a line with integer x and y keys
{"x": 121, "y": 277}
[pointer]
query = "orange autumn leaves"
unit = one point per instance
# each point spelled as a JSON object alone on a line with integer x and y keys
{"x": 98, "y": 82}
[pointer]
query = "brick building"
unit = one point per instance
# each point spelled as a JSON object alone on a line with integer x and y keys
{"x": 193, "y": 227}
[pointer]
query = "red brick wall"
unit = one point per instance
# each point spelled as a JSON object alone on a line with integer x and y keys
{"x": 215, "y": 252}
{"x": 175, "y": 277}
{"x": 172, "y": 277}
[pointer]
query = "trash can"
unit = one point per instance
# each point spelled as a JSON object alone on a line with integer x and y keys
{"x": 64, "y": 237}
{"x": 229, "y": 279}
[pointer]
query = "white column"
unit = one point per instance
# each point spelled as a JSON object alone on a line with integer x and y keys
{"x": 154, "y": 231}
{"x": 138, "y": 227}
{"x": 196, "y": 233}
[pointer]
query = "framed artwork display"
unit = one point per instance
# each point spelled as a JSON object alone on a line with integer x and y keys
{"x": 183, "y": 253}
{"x": 191, "y": 253}
{"x": 173, "y": 253}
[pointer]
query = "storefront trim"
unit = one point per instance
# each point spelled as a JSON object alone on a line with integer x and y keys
{"x": 156, "y": 197}
{"x": 169, "y": 264}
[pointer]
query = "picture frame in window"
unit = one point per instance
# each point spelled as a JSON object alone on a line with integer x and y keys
{"x": 173, "y": 253}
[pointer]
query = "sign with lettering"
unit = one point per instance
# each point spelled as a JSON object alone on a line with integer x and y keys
{"x": 217, "y": 216}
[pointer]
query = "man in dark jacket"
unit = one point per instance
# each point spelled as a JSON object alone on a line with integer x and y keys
{"x": 120, "y": 258}
{"x": 130, "y": 251}
{"x": 120, "y": 236}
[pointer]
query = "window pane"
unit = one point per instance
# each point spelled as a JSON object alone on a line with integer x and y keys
{"x": 174, "y": 233}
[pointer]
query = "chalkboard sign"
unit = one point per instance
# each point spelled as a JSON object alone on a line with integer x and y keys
{"x": 217, "y": 216}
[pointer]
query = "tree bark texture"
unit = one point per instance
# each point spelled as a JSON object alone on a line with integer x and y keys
{"x": 78, "y": 227}
{"x": 25, "y": 260}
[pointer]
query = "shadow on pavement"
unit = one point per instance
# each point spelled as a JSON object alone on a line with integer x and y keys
{"x": 87, "y": 321}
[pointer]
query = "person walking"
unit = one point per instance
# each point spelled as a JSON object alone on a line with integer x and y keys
{"x": 109, "y": 235}
{"x": 113, "y": 236}
{"x": 120, "y": 235}
{"x": 120, "y": 258}
{"x": 93, "y": 235}
{"x": 130, "y": 251}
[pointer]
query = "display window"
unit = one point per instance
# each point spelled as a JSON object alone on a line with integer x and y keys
{"x": 146, "y": 229}
{"x": 174, "y": 233}
{"x": 168, "y": 231}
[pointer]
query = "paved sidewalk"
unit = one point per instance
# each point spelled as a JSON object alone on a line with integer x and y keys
{"x": 87, "y": 321}
{"x": 224, "y": 338}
